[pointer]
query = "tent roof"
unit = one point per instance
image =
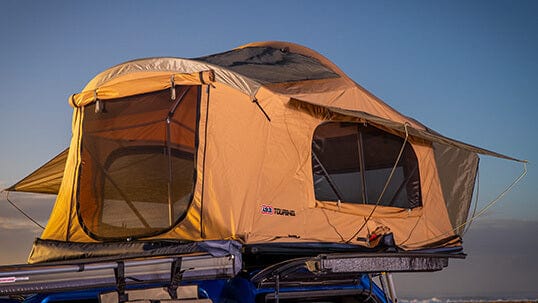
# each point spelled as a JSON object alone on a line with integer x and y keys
{"x": 246, "y": 68}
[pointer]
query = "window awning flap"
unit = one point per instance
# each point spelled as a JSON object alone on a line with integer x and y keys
{"x": 46, "y": 179}
{"x": 426, "y": 134}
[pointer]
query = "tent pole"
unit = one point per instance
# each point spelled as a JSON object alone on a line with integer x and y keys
{"x": 169, "y": 157}
{"x": 328, "y": 178}
{"x": 382, "y": 280}
{"x": 277, "y": 288}
{"x": 171, "y": 113}
{"x": 392, "y": 289}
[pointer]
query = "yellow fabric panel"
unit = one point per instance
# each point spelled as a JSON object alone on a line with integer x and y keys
{"x": 235, "y": 144}
{"x": 351, "y": 98}
{"x": 286, "y": 183}
{"x": 62, "y": 221}
{"x": 179, "y": 78}
{"x": 134, "y": 84}
{"x": 433, "y": 224}
{"x": 222, "y": 208}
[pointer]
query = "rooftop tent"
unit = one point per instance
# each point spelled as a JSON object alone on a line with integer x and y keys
{"x": 266, "y": 143}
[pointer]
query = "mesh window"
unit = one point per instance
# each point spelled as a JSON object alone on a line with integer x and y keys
{"x": 352, "y": 162}
{"x": 137, "y": 170}
{"x": 271, "y": 65}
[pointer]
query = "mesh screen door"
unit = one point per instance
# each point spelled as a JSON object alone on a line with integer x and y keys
{"x": 138, "y": 163}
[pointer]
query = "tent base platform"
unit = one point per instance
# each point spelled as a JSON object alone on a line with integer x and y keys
{"x": 339, "y": 267}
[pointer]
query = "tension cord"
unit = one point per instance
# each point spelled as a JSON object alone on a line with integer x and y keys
{"x": 494, "y": 201}
{"x": 483, "y": 210}
{"x": 22, "y": 211}
{"x": 386, "y": 184}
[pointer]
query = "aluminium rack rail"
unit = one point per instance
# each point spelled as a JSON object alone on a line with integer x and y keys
{"x": 36, "y": 278}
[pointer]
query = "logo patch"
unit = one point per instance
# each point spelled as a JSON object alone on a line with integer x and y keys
{"x": 269, "y": 210}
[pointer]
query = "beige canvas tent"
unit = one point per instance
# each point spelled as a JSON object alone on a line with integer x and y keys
{"x": 266, "y": 143}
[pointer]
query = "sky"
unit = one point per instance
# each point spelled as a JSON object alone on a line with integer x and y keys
{"x": 467, "y": 69}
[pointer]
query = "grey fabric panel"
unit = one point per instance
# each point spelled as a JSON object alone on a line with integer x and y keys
{"x": 220, "y": 248}
{"x": 69, "y": 252}
{"x": 270, "y": 65}
{"x": 55, "y": 251}
{"x": 180, "y": 65}
{"x": 457, "y": 169}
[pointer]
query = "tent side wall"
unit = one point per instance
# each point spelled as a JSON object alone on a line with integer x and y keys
{"x": 232, "y": 134}
{"x": 246, "y": 162}
{"x": 253, "y": 165}
{"x": 293, "y": 128}
{"x": 457, "y": 170}
{"x": 63, "y": 222}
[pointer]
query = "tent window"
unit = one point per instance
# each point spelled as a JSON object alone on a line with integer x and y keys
{"x": 352, "y": 162}
{"x": 137, "y": 171}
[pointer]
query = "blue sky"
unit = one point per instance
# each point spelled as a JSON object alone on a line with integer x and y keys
{"x": 468, "y": 69}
